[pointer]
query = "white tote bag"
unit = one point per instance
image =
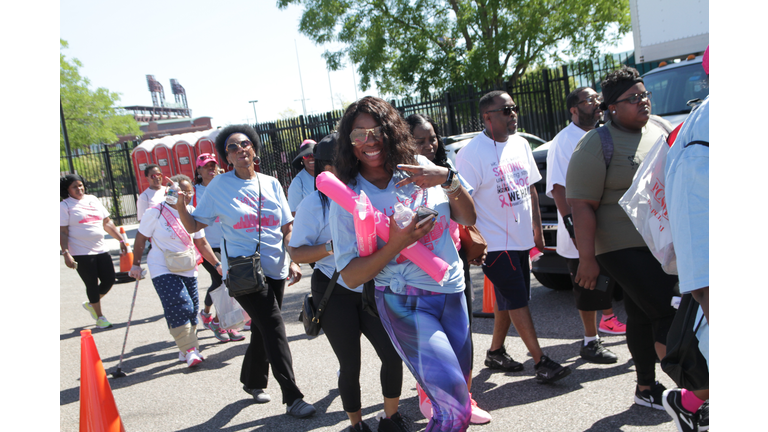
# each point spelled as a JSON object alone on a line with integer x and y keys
{"x": 231, "y": 315}
{"x": 645, "y": 204}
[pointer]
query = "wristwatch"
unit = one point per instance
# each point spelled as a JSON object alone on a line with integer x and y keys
{"x": 218, "y": 264}
{"x": 329, "y": 246}
{"x": 449, "y": 180}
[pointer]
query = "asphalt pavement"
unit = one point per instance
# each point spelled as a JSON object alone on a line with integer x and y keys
{"x": 160, "y": 394}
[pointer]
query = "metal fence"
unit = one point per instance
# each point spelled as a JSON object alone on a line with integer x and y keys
{"x": 107, "y": 171}
{"x": 540, "y": 94}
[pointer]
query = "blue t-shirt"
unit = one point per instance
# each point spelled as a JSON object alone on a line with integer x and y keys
{"x": 236, "y": 203}
{"x": 301, "y": 186}
{"x": 401, "y": 271}
{"x": 311, "y": 228}
{"x": 687, "y": 195}
{"x": 212, "y": 232}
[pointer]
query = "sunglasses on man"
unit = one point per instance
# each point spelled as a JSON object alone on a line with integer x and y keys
{"x": 507, "y": 110}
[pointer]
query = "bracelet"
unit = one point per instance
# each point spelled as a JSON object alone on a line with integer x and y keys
{"x": 455, "y": 193}
{"x": 218, "y": 264}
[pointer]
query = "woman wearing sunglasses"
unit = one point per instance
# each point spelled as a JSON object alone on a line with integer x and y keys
{"x": 207, "y": 169}
{"x": 606, "y": 235}
{"x": 253, "y": 212}
{"x": 427, "y": 321}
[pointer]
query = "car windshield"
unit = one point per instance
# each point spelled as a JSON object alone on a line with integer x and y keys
{"x": 672, "y": 89}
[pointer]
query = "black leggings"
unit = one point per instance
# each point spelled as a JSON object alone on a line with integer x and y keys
{"x": 468, "y": 296}
{"x": 98, "y": 274}
{"x": 215, "y": 277}
{"x": 269, "y": 344}
{"x": 342, "y": 322}
{"x": 648, "y": 295}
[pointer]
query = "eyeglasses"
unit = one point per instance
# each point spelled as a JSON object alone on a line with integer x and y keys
{"x": 245, "y": 145}
{"x": 635, "y": 98}
{"x": 359, "y": 136}
{"x": 189, "y": 194}
{"x": 507, "y": 110}
{"x": 595, "y": 99}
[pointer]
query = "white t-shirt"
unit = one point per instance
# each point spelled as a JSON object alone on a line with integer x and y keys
{"x": 149, "y": 198}
{"x": 558, "y": 157}
{"x": 501, "y": 175}
{"x": 301, "y": 186}
{"x": 85, "y": 219}
{"x": 164, "y": 238}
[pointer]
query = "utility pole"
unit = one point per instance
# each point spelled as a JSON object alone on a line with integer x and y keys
{"x": 303, "y": 104}
{"x": 253, "y": 102}
{"x": 329, "y": 86}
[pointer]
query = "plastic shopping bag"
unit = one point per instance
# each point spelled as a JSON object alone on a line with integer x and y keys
{"x": 646, "y": 206}
{"x": 231, "y": 314}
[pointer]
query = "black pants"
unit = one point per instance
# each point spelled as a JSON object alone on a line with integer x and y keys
{"x": 98, "y": 274}
{"x": 269, "y": 344}
{"x": 648, "y": 295}
{"x": 215, "y": 277}
{"x": 342, "y": 322}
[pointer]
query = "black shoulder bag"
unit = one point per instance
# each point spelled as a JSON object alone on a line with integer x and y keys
{"x": 245, "y": 275}
{"x": 684, "y": 363}
{"x": 311, "y": 317}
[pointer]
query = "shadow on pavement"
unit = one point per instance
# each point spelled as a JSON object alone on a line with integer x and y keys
{"x": 633, "y": 416}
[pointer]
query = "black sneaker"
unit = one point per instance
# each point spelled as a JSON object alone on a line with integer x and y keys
{"x": 360, "y": 427}
{"x": 651, "y": 398}
{"x": 395, "y": 423}
{"x": 703, "y": 414}
{"x": 548, "y": 371}
{"x": 595, "y": 352}
{"x": 685, "y": 420}
{"x": 499, "y": 359}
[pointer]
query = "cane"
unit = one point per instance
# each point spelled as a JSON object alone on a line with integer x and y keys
{"x": 119, "y": 373}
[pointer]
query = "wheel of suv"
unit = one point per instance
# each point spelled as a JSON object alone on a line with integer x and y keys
{"x": 555, "y": 281}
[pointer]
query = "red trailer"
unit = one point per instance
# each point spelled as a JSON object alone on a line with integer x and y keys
{"x": 142, "y": 156}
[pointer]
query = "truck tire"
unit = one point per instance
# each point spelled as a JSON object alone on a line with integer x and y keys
{"x": 555, "y": 281}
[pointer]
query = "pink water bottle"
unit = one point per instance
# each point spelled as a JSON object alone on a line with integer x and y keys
{"x": 535, "y": 254}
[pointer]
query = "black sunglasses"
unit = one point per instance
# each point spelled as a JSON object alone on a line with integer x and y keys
{"x": 245, "y": 144}
{"x": 507, "y": 110}
{"x": 636, "y": 98}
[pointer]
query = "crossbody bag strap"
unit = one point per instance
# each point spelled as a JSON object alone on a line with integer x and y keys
{"x": 326, "y": 296}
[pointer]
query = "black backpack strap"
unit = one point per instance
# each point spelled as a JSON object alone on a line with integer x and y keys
{"x": 607, "y": 141}
{"x": 704, "y": 143}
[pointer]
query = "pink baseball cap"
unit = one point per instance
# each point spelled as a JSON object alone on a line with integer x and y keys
{"x": 204, "y": 158}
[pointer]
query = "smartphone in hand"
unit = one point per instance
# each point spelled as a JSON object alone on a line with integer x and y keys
{"x": 424, "y": 213}
{"x": 602, "y": 283}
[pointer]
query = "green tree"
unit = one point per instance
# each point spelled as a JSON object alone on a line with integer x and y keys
{"x": 431, "y": 45}
{"x": 91, "y": 115}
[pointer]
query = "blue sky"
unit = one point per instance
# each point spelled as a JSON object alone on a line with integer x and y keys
{"x": 223, "y": 57}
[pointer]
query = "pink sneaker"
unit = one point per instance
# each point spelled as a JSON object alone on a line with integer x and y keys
{"x": 479, "y": 415}
{"x": 425, "y": 405}
{"x": 193, "y": 358}
{"x": 612, "y": 326}
{"x": 247, "y": 325}
{"x": 235, "y": 335}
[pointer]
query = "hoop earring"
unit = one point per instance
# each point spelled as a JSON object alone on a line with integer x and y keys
{"x": 256, "y": 160}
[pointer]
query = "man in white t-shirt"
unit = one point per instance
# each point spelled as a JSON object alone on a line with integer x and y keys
{"x": 304, "y": 183}
{"x": 499, "y": 165}
{"x": 584, "y": 106}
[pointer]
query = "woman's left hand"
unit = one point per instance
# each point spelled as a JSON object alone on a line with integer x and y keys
{"x": 123, "y": 248}
{"x": 423, "y": 176}
{"x": 294, "y": 273}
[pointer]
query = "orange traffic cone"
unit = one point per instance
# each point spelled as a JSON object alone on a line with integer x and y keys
{"x": 126, "y": 259}
{"x": 489, "y": 296}
{"x": 98, "y": 412}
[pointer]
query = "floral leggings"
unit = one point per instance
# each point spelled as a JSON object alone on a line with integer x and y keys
{"x": 430, "y": 332}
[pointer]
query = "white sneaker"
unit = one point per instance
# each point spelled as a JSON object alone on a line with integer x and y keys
{"x": 193, "y": 358}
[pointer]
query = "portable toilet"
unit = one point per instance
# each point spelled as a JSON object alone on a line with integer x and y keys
{"x": 141, "y": 157}
{"x": 162, "y": 153}
{"x": 206, "y": 143}
{"x": 184, "y": 154}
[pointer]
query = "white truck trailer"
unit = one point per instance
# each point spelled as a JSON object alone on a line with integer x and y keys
{"x": 669, "y": 29}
